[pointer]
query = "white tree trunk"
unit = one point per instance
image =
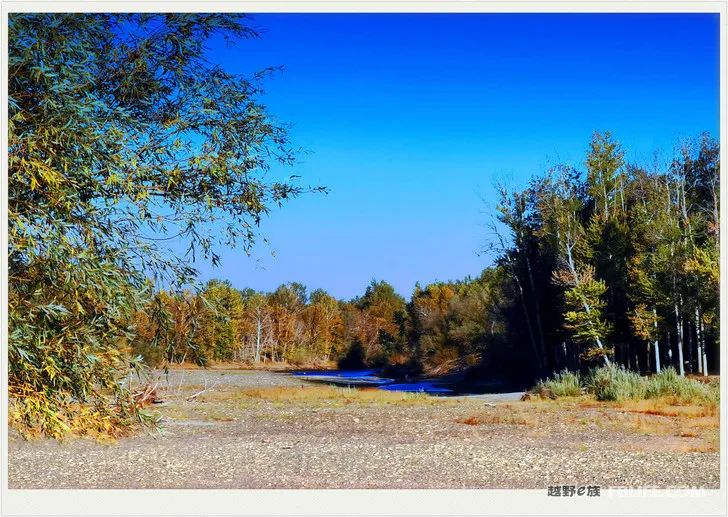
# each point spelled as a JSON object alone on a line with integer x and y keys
{"x": 705, "y": 352}
{"x": 679, "y": 340}
{"x": 572, "y": 267}
{"x": 698, "y": 339}
{"x": 258, "y": 336}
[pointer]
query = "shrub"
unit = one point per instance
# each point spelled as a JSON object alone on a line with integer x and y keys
{"x": 354, "y": 357}
{"x": 668, "y": 383}
{"x": 616, "y": 383}
{"x": 301, "y": 356}
{"x": 377, "y": 360}
{"x": 563, "y": 384}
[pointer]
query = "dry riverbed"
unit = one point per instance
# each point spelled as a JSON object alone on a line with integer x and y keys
{"x": 257, "y": 429}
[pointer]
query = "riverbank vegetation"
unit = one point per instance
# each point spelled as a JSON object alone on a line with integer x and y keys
{"x": 613, "y": 265}
{"x": 619, "y": 384}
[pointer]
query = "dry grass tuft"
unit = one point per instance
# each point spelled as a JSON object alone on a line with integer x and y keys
{"x": 277, "y": 366}
{"x": 320, "y": 395}
{"x": 688, "y": 434}
{"x": 497, "y": 419}
{"x": 651, "y": 426}
{"x": 669, "y": 406}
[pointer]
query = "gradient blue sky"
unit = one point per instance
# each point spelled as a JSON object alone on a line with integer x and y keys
{"x": 410, "y": 119}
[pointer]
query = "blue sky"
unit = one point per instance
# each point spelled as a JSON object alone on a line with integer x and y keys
{"x": 410, "y": 119}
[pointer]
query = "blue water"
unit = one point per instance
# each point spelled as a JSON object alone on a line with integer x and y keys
{"x": 370, "y": 378}
{"x": 372, "y": 373}
{"x": 421, "y": 386}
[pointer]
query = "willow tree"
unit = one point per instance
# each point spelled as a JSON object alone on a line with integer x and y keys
{"x": 123, "y": 136}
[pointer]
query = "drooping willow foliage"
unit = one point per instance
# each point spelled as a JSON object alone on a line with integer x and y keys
{"x": 122, "y": 137}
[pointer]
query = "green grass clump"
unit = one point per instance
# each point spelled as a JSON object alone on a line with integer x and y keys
{"x": 668, "y": 383}
{"x": 616, "y": 383}
{"x": 563, "y": 384}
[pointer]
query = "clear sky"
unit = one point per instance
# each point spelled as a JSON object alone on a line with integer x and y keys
{"x": 410, "y": 119}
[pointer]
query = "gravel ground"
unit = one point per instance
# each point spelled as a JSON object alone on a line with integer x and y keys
{"x": 223, "y": 439}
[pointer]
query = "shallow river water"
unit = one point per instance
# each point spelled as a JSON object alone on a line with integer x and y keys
{"x": 372, "y": 378}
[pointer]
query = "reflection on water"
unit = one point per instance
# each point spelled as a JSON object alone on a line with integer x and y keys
{"x": 370, "y": 377}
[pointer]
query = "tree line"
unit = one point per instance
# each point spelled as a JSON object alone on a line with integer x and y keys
{"x": 441, "y": 325}
{"x": 616, "y": 264}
